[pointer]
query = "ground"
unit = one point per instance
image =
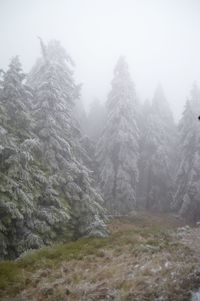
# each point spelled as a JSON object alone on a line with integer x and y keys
{"x": 146, "y": 257}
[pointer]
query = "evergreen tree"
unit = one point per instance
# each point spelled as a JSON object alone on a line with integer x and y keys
{"x": 59, "y": 138}
{"x": 25, "y": 224}
{"x": 188, "y": 176}
{"x": 16, "y": 174}
{"x": 157, "y": 150}
{"x": 117, "y": 149}
{"x": 14, "y": 98}
{"x": 46, "y": 192}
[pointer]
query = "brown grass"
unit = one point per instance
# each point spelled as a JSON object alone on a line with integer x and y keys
{"x": 140, "y": 261}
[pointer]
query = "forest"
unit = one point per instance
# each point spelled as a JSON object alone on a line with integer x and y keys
{"x": 63, "y": 173}
{"x": 98, "y": 202}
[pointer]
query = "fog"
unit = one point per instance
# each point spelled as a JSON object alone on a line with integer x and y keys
{"x": 160, "y": 40}
{"x": 122, "y": 176}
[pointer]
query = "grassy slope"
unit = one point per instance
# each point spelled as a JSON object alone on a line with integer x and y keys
{"x": 141, "y": 260}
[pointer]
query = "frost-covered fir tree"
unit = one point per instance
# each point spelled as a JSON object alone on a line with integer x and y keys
{"x": 14, "y": 97}
{"x": 188, "y": 177}
{"x": 46, "y": 192}
{"x": 157, "y": 149}
{"x": 24, "y": 223}
{"x": 59, "y": 137}
{"x": 16, "y": 174}
{"x": 117, "y": 148}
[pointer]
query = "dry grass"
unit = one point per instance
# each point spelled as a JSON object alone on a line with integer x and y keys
{"x": 141, "y": 261}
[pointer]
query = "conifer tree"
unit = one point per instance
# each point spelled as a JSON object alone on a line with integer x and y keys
{"x": 14, "y": 97}
{"x": 59, "y": 138}
{"x": 16, "y": 201}
{"x": 46, "y": 192}
{"x": 117, "y": 149}
{"x": 188, "y": 176}
{"x": 157, "y": 150}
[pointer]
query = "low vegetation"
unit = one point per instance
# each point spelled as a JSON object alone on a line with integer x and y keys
{"x": 142, "y": 259}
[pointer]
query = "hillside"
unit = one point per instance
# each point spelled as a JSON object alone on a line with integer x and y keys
{"x": 146, "y": 257}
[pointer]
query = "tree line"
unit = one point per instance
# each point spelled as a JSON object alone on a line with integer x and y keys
{"x": 144, "y": 159}
{"x": 63, "y": 172}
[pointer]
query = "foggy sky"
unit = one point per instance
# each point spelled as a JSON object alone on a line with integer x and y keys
{"x": 160, "y": 39}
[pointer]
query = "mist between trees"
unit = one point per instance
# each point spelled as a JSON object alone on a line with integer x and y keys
{"x": 64, "y": 171}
